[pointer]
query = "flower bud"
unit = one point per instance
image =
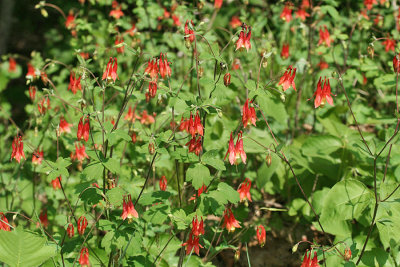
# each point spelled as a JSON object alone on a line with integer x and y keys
{"x": 227, "y": 79}
{"x": 134, "y": 138}
{"x": 347, "y": 254}
{"x": 237, "y": 255}
{"x": 201, "y": 72}
{"x": 188, "y": 44}
{"x": 283, "y": 97}
{"x": 152, "y": 149}
{"x": 396, "y": 63}
{"x": 265, "y": 64}
{"x": 371, "y": 51}
{"x": 268, "y": 160}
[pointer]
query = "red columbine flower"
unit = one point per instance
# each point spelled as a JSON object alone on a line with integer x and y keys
{"x": 12, "y": 65}
{"x": 32, "y": 73}
{"x": 323, "y": 94}
{"x": 396, "y": 63}
{"x": 389, "y": 44}
{"x": 133, "y": 137}
{"x": 218, "y": 4}
{"x": 192, "y": 244}
{"x": 244, "y": 190}
{"x": 152, "y": 69}
{"x": 165, "y": 69}
{"x": 56, "y": 183}
{"x": 132, "y": 30}
{"x": 64, "y": 126}
{"x": 200, "y": 191}
{"x": 324, "y": 37}
{"x": 249, "y": 114}
{"x": 152, "y": 89}
{"x": 235, "y": 22}
{"x": 43, "y": 219}
{"x": 43, "y": 105}
{"x": 119, "y": 40}
{"x": 244, "y": 39}
{"x": 307, "y": 262}
{"x": 116, "y": 12}
{"x": 80, "y": 153}
{"x": 70, "y": 230}
{"x": 227, "y": 79}
{"x": 83, "y": 129}
{"x": 322, "y": 65}
{"x": 82, "y": 224}
{"x": 347, "y": 254}
{"x": 287, "y": 79}
{"x": 369, "y": 3}
{"x": 236, "y": 151}
{"x": 131, "y": 116}
{"x": 128, "y": 209}
{"x": 70, "y": 21}
{"x": 111, "y": 70}
{"x": 189, "y": 33}
{"x": 261, "y": 235}
{"x": 163, "y": 183}
{"x": 146, "y": 119}
{"x": 305, "y": 4}
{"x": 74, "y": 83}
{"x": 4, "y": 225}
{"x": 176, "y": 20}
{"x": 285, "y": 51}
{"x": 84, "y": 258}
{"x": 230, "y": 223}
{"x": 197, "y": 227}
{"x": 37, "y": 157}
{"x": 195, "y": 145}
{"x": 302, "y": 14}
{"x": 32, "y": 92}
{"x": 286, "y": 14}
{"x": 17, "y": 149}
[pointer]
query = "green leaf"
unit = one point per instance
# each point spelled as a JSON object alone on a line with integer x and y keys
{"x": 115, "y": 196}
{"x": 199, "y": 175}
{"x": 212, "y": 158}
{"x": 112, "y": 165}
{"x": 320, "y": 145}
{"x": 22, "y": 248}
{"x": 346, "y": 200}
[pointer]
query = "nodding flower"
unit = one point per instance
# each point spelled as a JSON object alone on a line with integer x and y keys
{"x": 4, "y": 225}
{"x": 189, "y": 33}
{"x": 230, "y": 223}
{"x": 307, "y": 262}
{"x": 83, "y": 129}
{"x": 74, "y": 83}
{"x": 236, "y": 151}
{"x": 286, "y": 14}
{"x": 302, "y": 14}
{"x": 285, "y": 51}
{"x": 396, "y": 63}
{"x": 111, "y": 70}
{"x": 82, "y": 224}
{"x": 323, "y": 94}
{"x": 287, "y": 79}
{"x": 249, "y": 114}
{"x": 128, "y": 209}
{"x": 324, "y": 37}
{"x": 84, "y": 258}
{"x": 165, "y": 69}
{"x": 244, "y": 190}
{"x": 261, "y": 236}
{"x": 17, "y": 149}
{"x": 244, "y": 38}
{"x": 163, "y": 183}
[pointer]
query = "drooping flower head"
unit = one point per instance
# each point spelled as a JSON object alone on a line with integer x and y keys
{"x": 82, "y": 224}
{"x": 235, "y": 22}
{"x": 80, "y": 153}
{"x": 116, "y": 12}
{"x": 200, "y": 191}
{"x": 119, "y": 41}
{"x": 70, "y": 21}
{"x": 194, "y": 145}
{"x": 324, "y": 37}
{"x": 189, "y": 32}
{"x": 74, "y": 83}
{"x": 56, "y": 183}
{"x": 323, "y": 94}
{"x": 84, "y": 258}
{"x": 285, "y": 51}
{"x": 43, "y": 219}
{"x": 192, "y": 244}
{"x": 163, "y": 183}
{"x": 111, "y": 70}
{"x": 131, "y": 115}
{"x": 369, "y": 3}
{"x": 227, "y": 79}
{"x": 4, "y": 225}
{"x": 12, "y": 65}
{"x": 197, "y": 227}
{"x": 261, "y": 235}
{"x": 230, "y": 223}
{"x": 217, "y": 4}
{"x": 32, "y": 92}
{"x": 249, "y": 114}
{"x": 287, "y": 79}
{"x": 64, "y": 126}
{"x": 286, "y": 14}
{"x": 128, "y": 209}
{"x": 152, "y": 69}
{"x": 236, "y": 151}
{"x": 83, "y": 129}
{"x": 244, "y": 38}
{"x": 43, "y": 105}
{"x": 17, "y": 149}
{"x": 244, "y": 190}
{"x": 396, "y": 63}
{"x": 165, "y": 69}
{"x": 390, "y": 44}
{"x": 307, "y": 262}
{"x": 302, "y": 14}
{"x": 37, "y": 157}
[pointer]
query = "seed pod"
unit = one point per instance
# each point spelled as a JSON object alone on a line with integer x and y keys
{"x": 227, "y": 79}
{"x": 152, "y": 150}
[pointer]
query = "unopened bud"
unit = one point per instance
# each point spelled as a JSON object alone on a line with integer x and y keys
{"x": 265, "y": 63}
{"x": 152, "y": 149}
{"x": 268, "y": 160}
{"x": 188, "y": 44}
{"x": 201, "y": 72}
{"x": 371, "y": 51}
{"x": 283, "y": 97}
{"x": 227, "y": 79}
{"x": 237, "y": 255}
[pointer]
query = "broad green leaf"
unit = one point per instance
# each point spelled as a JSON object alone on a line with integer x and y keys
{"x": 199, "y": 175}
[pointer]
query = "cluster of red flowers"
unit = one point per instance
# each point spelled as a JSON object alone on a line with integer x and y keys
{"x": 244, "y": 38}
{"x": 195, "y": 129}
{"x": 236, "y": 151}
{"x": 128, "y": 209}
{"x": 74, "y": 83}
{"x": 193, "y": 241}
{"x": 83, "y": 129}
{"x": 323, "y": 94}
{"x": 155, "y": 67}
